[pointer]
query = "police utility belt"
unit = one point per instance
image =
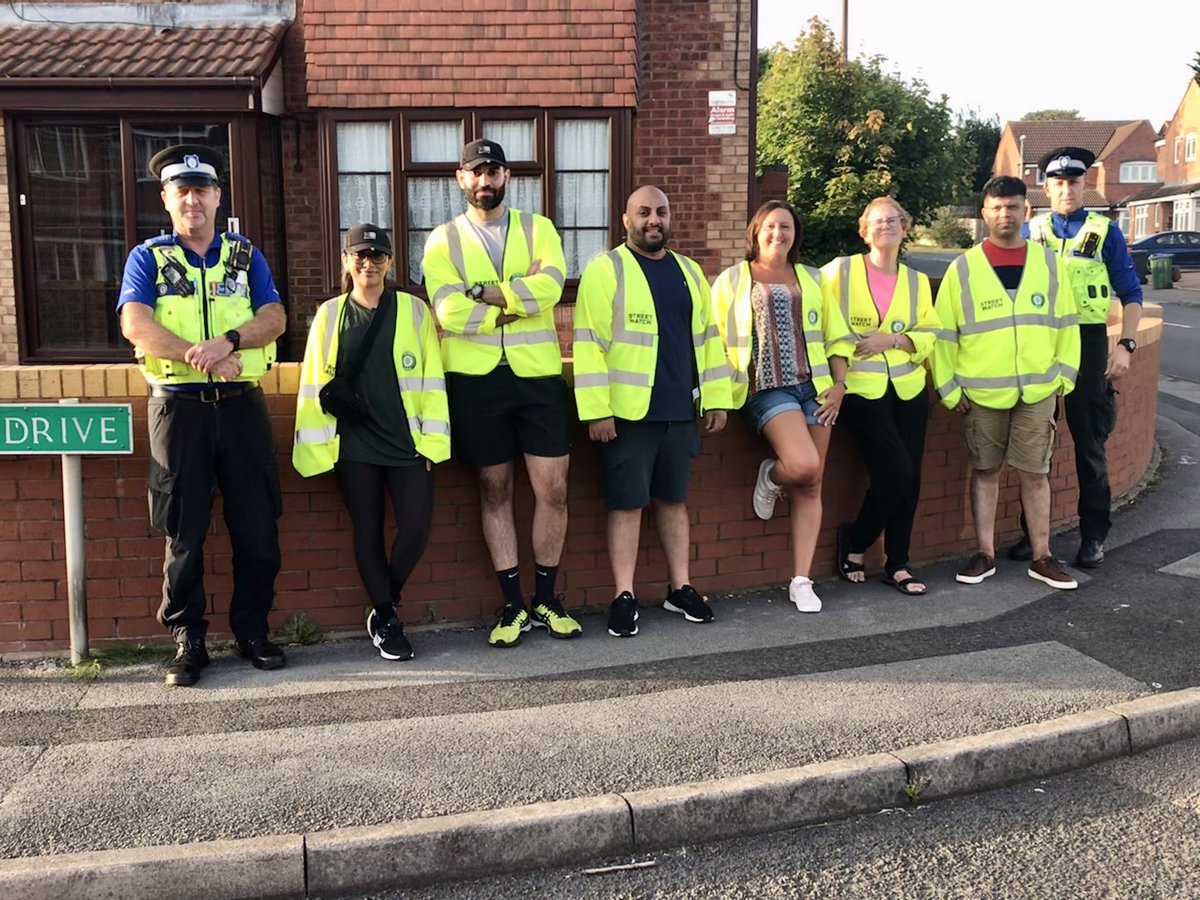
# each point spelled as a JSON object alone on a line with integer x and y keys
{"x": 213, "y": 393}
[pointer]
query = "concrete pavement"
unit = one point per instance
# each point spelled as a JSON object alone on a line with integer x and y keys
{"x": 344, "y": 773}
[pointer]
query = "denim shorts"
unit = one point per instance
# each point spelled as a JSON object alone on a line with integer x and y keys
{"x": 762, "y": 407}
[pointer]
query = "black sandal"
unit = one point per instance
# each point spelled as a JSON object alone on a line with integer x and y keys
{"x": 901, "y": 584}
{"x": 845, "y": 566}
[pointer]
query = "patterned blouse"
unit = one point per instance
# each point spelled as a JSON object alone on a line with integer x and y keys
{"x": 778, "y": 354}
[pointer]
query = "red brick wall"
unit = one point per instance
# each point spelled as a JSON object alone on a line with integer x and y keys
{"x": 454, "y": 581}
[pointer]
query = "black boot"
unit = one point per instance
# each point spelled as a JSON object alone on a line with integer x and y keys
{"x": 261, "y": 653}
{"x": 191, "y": 656}
{"x": 1090, "y": 555}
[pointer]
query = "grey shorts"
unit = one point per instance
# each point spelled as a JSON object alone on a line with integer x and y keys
{"x": 648, "y": 459}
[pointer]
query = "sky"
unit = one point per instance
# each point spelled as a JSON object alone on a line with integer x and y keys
{"x": 1139, "y": 51}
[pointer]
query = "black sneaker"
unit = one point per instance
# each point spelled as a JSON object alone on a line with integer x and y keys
{"x": 623, "y": 616}
{"x": 391, "y": 641}
{"x": 261, "y": 653}
{"x": 688, "y": 604}
{"x": 190, "y": 657}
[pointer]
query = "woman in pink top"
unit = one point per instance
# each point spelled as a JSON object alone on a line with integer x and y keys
{"x": 882, "y": 321}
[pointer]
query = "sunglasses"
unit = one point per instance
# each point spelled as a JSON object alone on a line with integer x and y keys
{"x": 375, "y": 256}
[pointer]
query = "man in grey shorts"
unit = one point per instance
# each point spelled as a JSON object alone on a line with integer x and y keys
{"x": 1009, "y": 347}
{"x": 648, "y": 359}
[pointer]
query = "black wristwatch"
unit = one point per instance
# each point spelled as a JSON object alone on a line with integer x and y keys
{"x": 1128, "y": 343}
{"x": 234, "y": 337}
{"x": 475, "y": 292}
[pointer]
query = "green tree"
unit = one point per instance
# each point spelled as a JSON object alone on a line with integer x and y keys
{"x": 1052, "y": 115}
{"x": 1196, "y": 66}
{"x": 977, "y": 140}
{"x": 849, "y": 133}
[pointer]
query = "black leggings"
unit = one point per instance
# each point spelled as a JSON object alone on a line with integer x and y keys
{"x": 411, "y": 488}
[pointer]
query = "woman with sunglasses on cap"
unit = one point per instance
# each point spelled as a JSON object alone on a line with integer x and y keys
{"x": 381, "y": 426}
{"x": 882, "y": 318}
{"x": 770, "y": 311}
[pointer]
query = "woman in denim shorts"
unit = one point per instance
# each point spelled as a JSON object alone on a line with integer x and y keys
{"x": 770, "y": 310}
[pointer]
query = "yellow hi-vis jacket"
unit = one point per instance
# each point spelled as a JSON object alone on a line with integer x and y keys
{"x": 1088, "y": 275}
{"x": 853, "y": 313}
{"x": 456, "y": 259}
{"x": 616, "y": 339}
{"x": 734, "y": 314}
{"x": 418, "y": 374}
{"x": 210, "y": 311}
{"x": 1000, "y": 350}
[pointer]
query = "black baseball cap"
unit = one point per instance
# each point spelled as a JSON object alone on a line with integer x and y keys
{"x": 368, "y": 237}
{"x": 187, "y": 164}
{"x": 479, "y": 152}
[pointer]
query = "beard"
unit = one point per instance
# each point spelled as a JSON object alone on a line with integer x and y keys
{"x": 486, "y": 202}
{"x": 650, "y": 243}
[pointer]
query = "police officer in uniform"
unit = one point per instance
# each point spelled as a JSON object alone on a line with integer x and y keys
{"x": 1099, "y": 267}
{"x": 202, "y": 312}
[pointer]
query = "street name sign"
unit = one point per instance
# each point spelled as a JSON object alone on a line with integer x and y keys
{"x": 92, "y": 428}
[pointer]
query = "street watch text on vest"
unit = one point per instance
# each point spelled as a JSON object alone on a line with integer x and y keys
{"x": 735, "y": 319}
{"x": 1001, "y": 349}
{"x": 616, "y": 339}
{"x": 199, "y": 303}
{"x": 852, "y": 313}
{"x": 1086, "y": 270}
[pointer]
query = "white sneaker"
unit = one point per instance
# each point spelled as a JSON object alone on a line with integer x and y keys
{"x": 766, "y": 492}
{"x": 800, "y": 592}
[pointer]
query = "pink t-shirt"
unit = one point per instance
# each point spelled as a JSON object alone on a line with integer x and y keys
{"x": 882, "y": 286}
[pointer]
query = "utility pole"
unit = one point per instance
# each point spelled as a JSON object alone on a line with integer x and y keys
{"x": 845, "y": 27}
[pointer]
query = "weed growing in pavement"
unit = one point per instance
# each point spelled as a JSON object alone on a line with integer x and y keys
{"x": 116, "y": 657}
{"x": 431, "y": 612}
{"x": 915, "y": 788}
{"x": 298, "y": 630}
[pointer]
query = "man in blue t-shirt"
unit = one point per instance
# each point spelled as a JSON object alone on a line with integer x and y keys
{"x": 203, "y": 313}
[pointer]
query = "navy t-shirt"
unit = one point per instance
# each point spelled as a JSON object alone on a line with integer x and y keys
{"x": 675, "y": 371}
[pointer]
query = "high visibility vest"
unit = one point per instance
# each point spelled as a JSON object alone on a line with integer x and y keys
{"x": 734, "y": 315}
{"x": 616, "y": 339}
{"x": 1088, "y": 275}
{"x": 1001, "y": 350}
{"x": 419, "y": 376}
{"x": 456, "y": 259}
{"x": 852, "y": 313}
{"x": 214, "y": 307}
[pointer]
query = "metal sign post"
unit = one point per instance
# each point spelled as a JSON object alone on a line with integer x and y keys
{"x": 70, "y": 429}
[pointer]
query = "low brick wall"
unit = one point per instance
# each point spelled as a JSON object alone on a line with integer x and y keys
{"x": 454, "y": 582}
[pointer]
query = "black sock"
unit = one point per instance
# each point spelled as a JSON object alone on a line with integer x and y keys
{"x": 544, "y": 576}
{"x": 510, "y": 585}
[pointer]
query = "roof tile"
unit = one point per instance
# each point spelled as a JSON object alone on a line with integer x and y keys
{"x": 474, "y": 55}
{"x": 89, "y": 52}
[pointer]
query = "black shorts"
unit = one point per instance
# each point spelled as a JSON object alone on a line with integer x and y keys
{"x": 648, "y": 459}
{"x": 498, "y": 416}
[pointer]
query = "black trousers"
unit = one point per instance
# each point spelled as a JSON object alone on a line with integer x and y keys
{"x": 890, "y": 434}
{"x": 411, "y": 490}
{"x": 196, "y": 448}
{"x": 1091, "y": 416}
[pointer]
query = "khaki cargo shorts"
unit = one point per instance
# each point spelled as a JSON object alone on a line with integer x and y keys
{"x": 1022, "y": 436}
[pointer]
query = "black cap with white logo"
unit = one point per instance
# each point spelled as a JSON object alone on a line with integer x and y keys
{"x": 482, "y": 152}
{"x": 368, "y": 237}
{"x": 187, "y": 164}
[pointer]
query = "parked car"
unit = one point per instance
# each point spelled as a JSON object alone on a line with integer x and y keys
{"x": 1182, "y": 246}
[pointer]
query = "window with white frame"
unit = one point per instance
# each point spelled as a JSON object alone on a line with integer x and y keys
{"x": 1178, "y": 154}
{"x": 1123, "y": 221}
{"x": 561, "y": 164}
{"x": 1189, "y": 147}
{"x": 1181, "y": 215}
{"x": 1039, "y": 177}
{"x": 1136, "y": 172}
{"x": 1141, "y": 221}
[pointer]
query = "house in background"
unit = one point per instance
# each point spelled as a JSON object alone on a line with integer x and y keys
{"x": 1125, "y": 159}
{"x": 332, "y": 113}
{"x": 1173, "y": 202}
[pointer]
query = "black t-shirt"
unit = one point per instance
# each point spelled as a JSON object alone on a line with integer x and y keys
{"x": 384, "y": 439}
{"x": 675, "y": 372}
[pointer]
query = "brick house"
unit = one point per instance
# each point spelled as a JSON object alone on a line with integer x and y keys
{"x": 334, "y": 112}
{"x": 1125, "y": 159}
{"x": 1173, "y": 202}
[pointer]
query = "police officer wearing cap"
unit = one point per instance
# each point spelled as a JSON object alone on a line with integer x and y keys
{"x": 1099, "y": 267}
{"x": 202, "y": 312}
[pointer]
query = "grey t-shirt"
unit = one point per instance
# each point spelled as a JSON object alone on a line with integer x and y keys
{"x": 493, "y": 235}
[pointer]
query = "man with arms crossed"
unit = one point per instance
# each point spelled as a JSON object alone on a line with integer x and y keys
{"x": 494, "y": 276}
